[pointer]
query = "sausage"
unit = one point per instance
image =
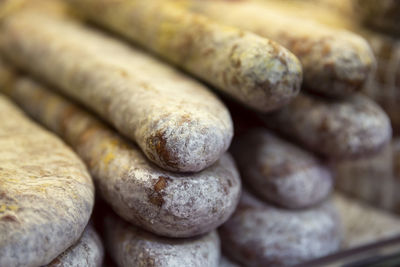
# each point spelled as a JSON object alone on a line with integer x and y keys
{"x": 279, "y": 172}
{"x": 335, "y": 62}
{"x": 131, "y": 246}
{"x": 88, "y": 251}
{"x": 384, "y": 85}
{"x": 255, "y": 71}
{"x": 346, "y": 128}
{"x": 177, "y": 122}
{"x": 162, "y": 202}
{"x": 46, "y": 193}
{"x": 259, "y": 234}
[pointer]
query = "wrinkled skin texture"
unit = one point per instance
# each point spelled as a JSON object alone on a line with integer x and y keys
{"x": 259, "y": 234}
{"x": 383, "y": 84}
{"x": 162, "y": 202}
{"x": 280, "y": 172}
{"x": 335, "y": 62}
{"x": 253, "y": 70}
{"x": 346, "y": 128}
{"x": 87, "y": 252}
{"x": 179, "y": 124}
{"x": 46, "y": 193}
{"x": 131, "y": 246}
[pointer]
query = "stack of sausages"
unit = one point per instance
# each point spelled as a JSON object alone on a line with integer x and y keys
{"x": 373, "y": 178}
{"x": 135, "y": 107}
{"x": 163, "y": 168}
{"x": 330, "y": 118}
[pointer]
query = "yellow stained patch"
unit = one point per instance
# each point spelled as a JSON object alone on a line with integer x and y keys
{"x": 9, "y": 180}
{"x": 41, "y": 189}
{"x": 108, "y": 158}
{"x": 13, "y": 207}
{"x": 4, "y": 208}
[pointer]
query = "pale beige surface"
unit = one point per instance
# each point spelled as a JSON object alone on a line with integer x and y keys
{"x": 163, "y": 202}
{"x": 256, "y": 71}
{"x": 178, "y": 123}
{"x": 335, "y": 62}
{"x": 46, "y": 193}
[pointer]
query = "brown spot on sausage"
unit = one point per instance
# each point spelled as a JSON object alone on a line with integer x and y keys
{"x": 159, "y": 143}
{"x": 161, "y": 183}
{"x": 226, "y": 190}
{"x": 156, "y": 199}
{"x": 9, "y": 218}
{"x": 214, "y": 210}
{"x": 185, "y": 119}
{"x": 156, "y": 196}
